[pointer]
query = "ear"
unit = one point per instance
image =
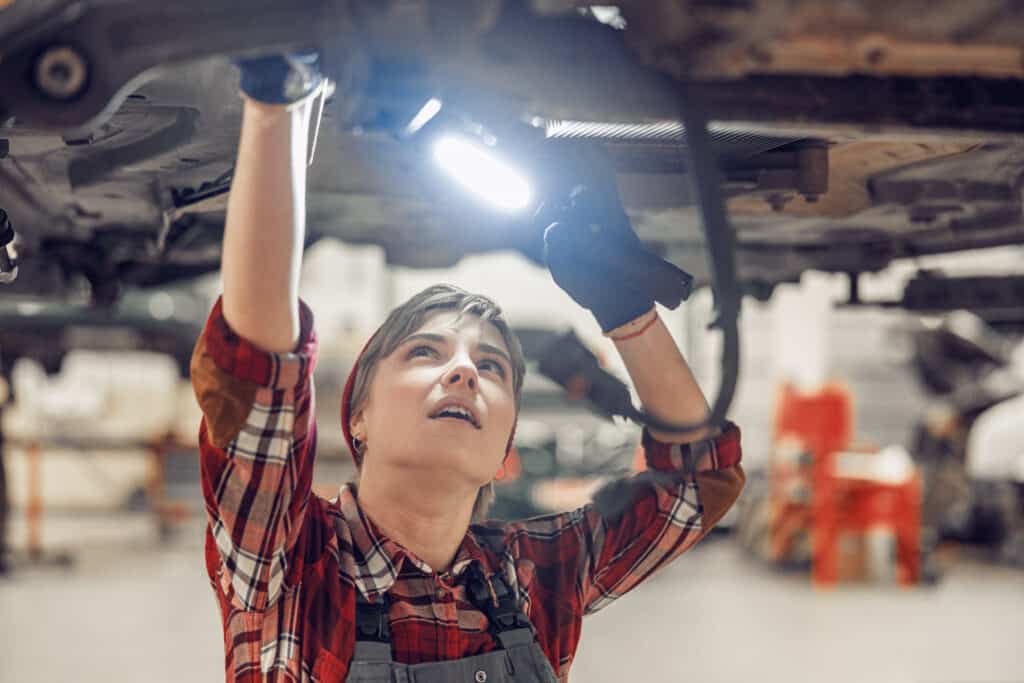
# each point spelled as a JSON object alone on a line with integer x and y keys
{"x": 357, "y": 426}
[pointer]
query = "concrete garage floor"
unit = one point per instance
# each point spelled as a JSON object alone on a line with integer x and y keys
{"x": 132, "y": 610}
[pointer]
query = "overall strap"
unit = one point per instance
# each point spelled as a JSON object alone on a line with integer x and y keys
{"x": 373, "y": 635}
{"x": 509, "y": 624}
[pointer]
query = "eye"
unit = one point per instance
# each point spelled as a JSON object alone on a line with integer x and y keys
{"x": 422, "y": 350}
{"x": 498, "y": 367}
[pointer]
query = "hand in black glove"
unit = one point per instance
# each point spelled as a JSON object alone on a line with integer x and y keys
{"x": 281, "y": 79}
{"x": 581, "y": 248}
{"x": 590, "y": 246}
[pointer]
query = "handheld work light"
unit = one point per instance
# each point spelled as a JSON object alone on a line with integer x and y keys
{"x": 479, "y": 170}
{"x": 460, "y": 146}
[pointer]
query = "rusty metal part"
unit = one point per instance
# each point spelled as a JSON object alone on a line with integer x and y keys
{"x": 880, "y": 55}
{"x": 812, "y": 169}
{"x": 799, "y": 168}
{"x": 688, "y": 38}
{"x": 565, "y": 67}
{"x": 849, "y": 168}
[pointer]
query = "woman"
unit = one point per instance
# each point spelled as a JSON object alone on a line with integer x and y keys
{"x": 398, "y": 578}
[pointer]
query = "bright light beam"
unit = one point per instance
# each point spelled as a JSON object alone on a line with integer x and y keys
{"x": 428, "y": 111}
{"x": 479, "y": 171}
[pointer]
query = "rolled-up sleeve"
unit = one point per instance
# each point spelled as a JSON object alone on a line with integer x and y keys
{"x": 638, "y": 524}
{"x": 713, "y": 466}
{"x": 257, "y": 441}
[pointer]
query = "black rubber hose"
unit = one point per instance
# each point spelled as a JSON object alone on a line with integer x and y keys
{"x": 569, "y": 363}
{"x": 707, "y": 186}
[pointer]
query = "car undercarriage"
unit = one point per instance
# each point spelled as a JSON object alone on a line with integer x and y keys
{"x": 848, "y": 135}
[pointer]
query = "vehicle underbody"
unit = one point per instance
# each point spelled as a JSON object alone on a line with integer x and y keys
{"x": 849, "y": 134}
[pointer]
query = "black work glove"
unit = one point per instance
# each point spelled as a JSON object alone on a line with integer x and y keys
{"x": 282, "y": 78}
{"x": 595, "y": 256}
{"x": 580, "y": 248}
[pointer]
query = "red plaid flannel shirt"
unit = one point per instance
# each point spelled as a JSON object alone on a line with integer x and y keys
{"x": 285, "y": 563}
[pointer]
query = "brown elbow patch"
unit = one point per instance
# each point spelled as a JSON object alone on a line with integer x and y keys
{"x": 225, "y": 400}
{"x": 719, "y": 489}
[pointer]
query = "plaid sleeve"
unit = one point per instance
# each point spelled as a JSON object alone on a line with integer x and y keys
{"x": 713, "y": 467}
{"x": 256, "y": 453}
{"x": 636, "y": 525}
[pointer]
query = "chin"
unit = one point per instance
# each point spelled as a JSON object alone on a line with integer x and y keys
{"x": 465, "y": 462}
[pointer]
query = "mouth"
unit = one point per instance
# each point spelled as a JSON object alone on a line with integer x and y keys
{"x": 457, "y": 412}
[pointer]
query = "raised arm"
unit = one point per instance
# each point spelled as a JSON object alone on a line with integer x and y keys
{"x": 663, "y": 379}
{"x": 638, "y": 524}
{"x": 265, "y": 226}
{"x": 252, "y": 366}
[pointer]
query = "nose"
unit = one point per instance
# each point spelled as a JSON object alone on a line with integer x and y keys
{"x": 462, "y": 372}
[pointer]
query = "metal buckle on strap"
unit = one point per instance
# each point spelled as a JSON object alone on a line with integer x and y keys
{"x": 506, "y": 615}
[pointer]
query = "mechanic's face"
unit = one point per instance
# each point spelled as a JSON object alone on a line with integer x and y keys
{"x": 448, "y": 362}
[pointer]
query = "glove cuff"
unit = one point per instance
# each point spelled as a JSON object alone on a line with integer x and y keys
{"x": 279, "y": 79}
{"x": 625, "y": 308}
{"x": 635, "y": 327}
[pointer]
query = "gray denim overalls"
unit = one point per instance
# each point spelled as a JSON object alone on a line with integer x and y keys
{"x": 520, "y": 659}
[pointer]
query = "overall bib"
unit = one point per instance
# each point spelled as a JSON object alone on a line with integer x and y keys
{"x": 519, "y": 659}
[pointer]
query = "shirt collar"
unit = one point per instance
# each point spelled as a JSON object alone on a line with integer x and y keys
{"x": 379, "y": 560}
